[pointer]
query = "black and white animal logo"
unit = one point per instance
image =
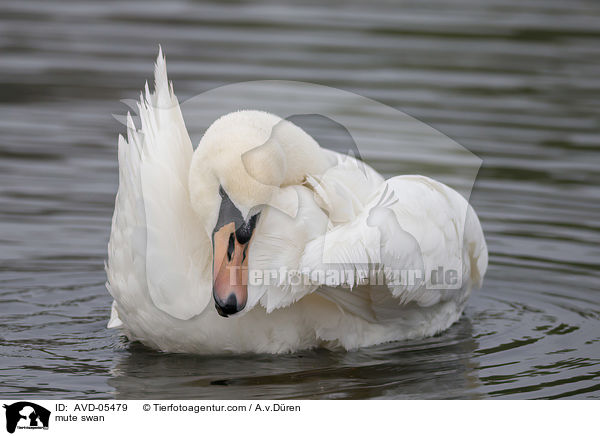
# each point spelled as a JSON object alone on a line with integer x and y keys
{"x": 26, "y": 415}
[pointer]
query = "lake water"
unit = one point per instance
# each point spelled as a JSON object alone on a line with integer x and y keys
{"x": 517, "y": 83}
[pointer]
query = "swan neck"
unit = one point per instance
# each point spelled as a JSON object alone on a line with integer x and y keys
{"x": 204, "y": 192}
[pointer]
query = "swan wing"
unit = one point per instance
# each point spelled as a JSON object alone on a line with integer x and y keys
{"x": 337, "y": 195}
{"x": 344, "y": 189}
{"x": 156, "y": 238}
{"x": 277, "y": 247}
{"x": 408, "y": 237}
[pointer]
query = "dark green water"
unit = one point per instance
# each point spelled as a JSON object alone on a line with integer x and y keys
{"x": 517, "y": 83}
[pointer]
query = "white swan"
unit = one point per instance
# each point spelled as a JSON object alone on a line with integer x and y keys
{"x": 326, "y": 223}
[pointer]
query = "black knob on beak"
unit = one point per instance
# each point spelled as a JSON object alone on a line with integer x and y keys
{"x": 228, "y": 307}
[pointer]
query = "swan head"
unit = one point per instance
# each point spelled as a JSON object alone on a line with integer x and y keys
{"x": 231, "y": 239}
{"x": 238, "y": 168}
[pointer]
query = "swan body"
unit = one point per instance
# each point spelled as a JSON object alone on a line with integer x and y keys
{"x": 328, "y": 223}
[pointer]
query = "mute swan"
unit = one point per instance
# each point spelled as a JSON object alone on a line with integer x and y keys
{"x": 273, "y": 200}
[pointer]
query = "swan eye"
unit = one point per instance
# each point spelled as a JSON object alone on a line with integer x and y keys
{"x": 244, "y": 233}
{"x": 230, "y": 247}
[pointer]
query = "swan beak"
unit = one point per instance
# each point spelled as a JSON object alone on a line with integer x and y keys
{"x": 230, "y": 272}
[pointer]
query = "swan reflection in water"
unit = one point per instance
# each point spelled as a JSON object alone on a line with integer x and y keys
{"x": 437, "y": 367}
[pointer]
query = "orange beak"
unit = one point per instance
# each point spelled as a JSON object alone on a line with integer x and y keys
{"x": 230, "y": 271}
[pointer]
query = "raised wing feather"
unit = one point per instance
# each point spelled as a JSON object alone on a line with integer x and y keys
{"x": 154, "y": 209}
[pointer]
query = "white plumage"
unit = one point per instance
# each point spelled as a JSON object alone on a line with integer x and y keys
{"x": 328, "y": 220}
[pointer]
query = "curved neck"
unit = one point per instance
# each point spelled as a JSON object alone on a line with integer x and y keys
{"x": 204, "y": 192}
{"x": 251, "y": 154}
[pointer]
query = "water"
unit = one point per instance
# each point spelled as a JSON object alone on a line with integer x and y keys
{"x": 515, "y": 82}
